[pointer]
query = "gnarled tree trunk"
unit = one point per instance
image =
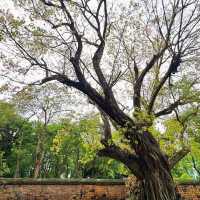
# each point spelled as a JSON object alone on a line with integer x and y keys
{"x": 149, "y": 165}
{"x": 157, "y": 184}
{"x": 155, "y": 181}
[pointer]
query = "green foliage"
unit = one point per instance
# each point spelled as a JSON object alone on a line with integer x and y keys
{"x": 189, "y": 167}
{"x": 15, "y": 140}
{"x": 16, "y": 23}
{"x": 3, "y": 165}
{"x": 172, "y": 136}
{"x": 69, "y": 147}
{"x": 105, "y": 168}
{"x": 7, "y": 113}
{"x": 143, "y": 118}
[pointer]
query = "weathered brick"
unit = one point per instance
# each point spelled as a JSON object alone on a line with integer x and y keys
{"x": 79, "y": 191}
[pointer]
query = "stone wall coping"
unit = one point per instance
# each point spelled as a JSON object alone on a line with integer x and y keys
{"x": 53, "y": 181}
{"x": 84, "y": 181}
{"x": 188, "y": 182}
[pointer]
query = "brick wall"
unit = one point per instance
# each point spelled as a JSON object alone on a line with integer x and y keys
{"x": 84, "y": 189}
{"x": 20, "y": 189}
{"x": 189, "y": 191}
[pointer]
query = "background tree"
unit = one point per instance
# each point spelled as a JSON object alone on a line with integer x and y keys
{"x": 189, "y": 166}
{"x": 44, "y": 104}
{"x": 15, "y": 131}
{"x": 155, "y": 41}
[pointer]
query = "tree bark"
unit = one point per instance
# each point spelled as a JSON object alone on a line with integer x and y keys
{"x": 156, "y": 185}
{"x": 39, "y": 155}
{"x": 156, "y": 182}
{"x": 38, "y": 164}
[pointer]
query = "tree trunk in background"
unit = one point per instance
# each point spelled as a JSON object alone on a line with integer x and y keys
{"x": 39, "y": 155}
{"x": 77, "y": 173}
{"x": 17, "y": 169}
{"x": 38, "y": 164}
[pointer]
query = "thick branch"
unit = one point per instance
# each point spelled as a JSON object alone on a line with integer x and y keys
{"x": 111, "y": 110}
{"x": 175, "y": 62}
{"x": 107, "y": 103}
{"x": 178, "y": 156}
{"x": 170, "y": 108}
{"x": 76, "y": 59}
{"x": 96, "y": 64}
{"x": 62, "y": 79}
{"x": 139, "y": 81}
{"x": 99, "y": 53}
{"x": 130, "y": 160}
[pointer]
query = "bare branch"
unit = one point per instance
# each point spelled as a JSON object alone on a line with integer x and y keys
{"x": 175, "y": 62}
{"x": 139, "y": 81}
{"x": 170, "y": 108}
{"x": 63, "y": 79}
{"x": 114, "y": 112}
{"x": 48, "y": 3}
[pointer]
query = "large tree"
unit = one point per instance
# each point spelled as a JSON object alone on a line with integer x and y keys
{"x": 99, "y": 47}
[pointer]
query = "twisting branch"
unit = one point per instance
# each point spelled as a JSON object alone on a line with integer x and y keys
{"x": 113, "y": 112}
{"x": 115, "y": 152}
{"x": 130, "y": 160}
{"x": 107, "y": 103}
{"x": 179, "y": 36}
{"x": 99, "y": 52}
{"x": 170, "y": 108}
{"x": 139, "y": 81}
{"x": 175, "y": 62}
{"x": 62, "y": 79}
{"x": 76, "y": 59}
{"x": 156, "y": 57}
